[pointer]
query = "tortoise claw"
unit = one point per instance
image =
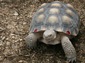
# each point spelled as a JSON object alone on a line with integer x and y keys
{"x": 69, "y": 49}
{"x": 72, "y": 60}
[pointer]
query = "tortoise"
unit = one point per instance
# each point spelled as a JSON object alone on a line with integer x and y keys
{"x": 53, "y": 23}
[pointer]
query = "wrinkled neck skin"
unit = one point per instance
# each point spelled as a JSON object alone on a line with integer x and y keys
{"x": 52, "y": 42}
{"x": 57, "y": 40}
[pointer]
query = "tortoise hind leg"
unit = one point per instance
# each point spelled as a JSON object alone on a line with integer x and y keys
{"x": 31, "y": 40}
{"x": 68, "y": 49}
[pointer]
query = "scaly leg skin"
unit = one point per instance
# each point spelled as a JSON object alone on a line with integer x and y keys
{"x": 31, "y": 40}
{"x": 68, "y": 49}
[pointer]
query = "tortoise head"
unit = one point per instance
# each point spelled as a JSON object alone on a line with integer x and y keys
{"x": 49, "y": 35}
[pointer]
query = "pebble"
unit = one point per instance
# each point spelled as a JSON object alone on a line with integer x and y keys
{"x": 1, "y": 29}
{"x": 22, "y": 61}
{"x": 83, "y": 23}
{"x": 16, "y": 13}
{"x": 1, "y": 58}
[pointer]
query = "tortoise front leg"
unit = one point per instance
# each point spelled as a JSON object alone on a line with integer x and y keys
{"x": 68, "y": 49}
{"x": 31, "y": 40}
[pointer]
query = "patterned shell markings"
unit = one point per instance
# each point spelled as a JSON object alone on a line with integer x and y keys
{"x": 57, "y": 16}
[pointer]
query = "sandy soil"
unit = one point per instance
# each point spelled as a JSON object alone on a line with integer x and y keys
{"x": 15, "y": 18}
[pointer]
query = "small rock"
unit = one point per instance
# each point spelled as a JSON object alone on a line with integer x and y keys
{"x": 1, "y": 29}
{"x": 84, "y": 23}
{"x": 20, "y": 61}
{"x": 20, "y": 39}
{"x": 1, "y": 58}
{"x": 1, "y": 42}
{"x": 24, "y": 23}
{"x": 3, "y": 38}
{"x": 16, "y": 13}
{"x": 8, "y": 43}
{"x": 7, "y": 61}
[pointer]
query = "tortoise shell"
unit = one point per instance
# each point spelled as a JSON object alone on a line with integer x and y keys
{"x": 58, "y": 16}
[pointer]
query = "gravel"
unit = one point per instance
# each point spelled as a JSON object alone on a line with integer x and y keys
{"x": 15, "y": 18}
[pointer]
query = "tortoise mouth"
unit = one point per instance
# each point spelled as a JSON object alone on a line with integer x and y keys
{"x": 50, "y": 38}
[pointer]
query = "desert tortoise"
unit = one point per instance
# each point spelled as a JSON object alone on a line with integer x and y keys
{"x": 55, "y": 23}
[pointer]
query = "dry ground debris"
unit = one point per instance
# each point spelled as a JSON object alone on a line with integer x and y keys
{"x": 15, "y": 18}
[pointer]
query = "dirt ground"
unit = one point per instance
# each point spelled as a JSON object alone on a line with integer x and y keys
{"x": 15, "y": 18}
